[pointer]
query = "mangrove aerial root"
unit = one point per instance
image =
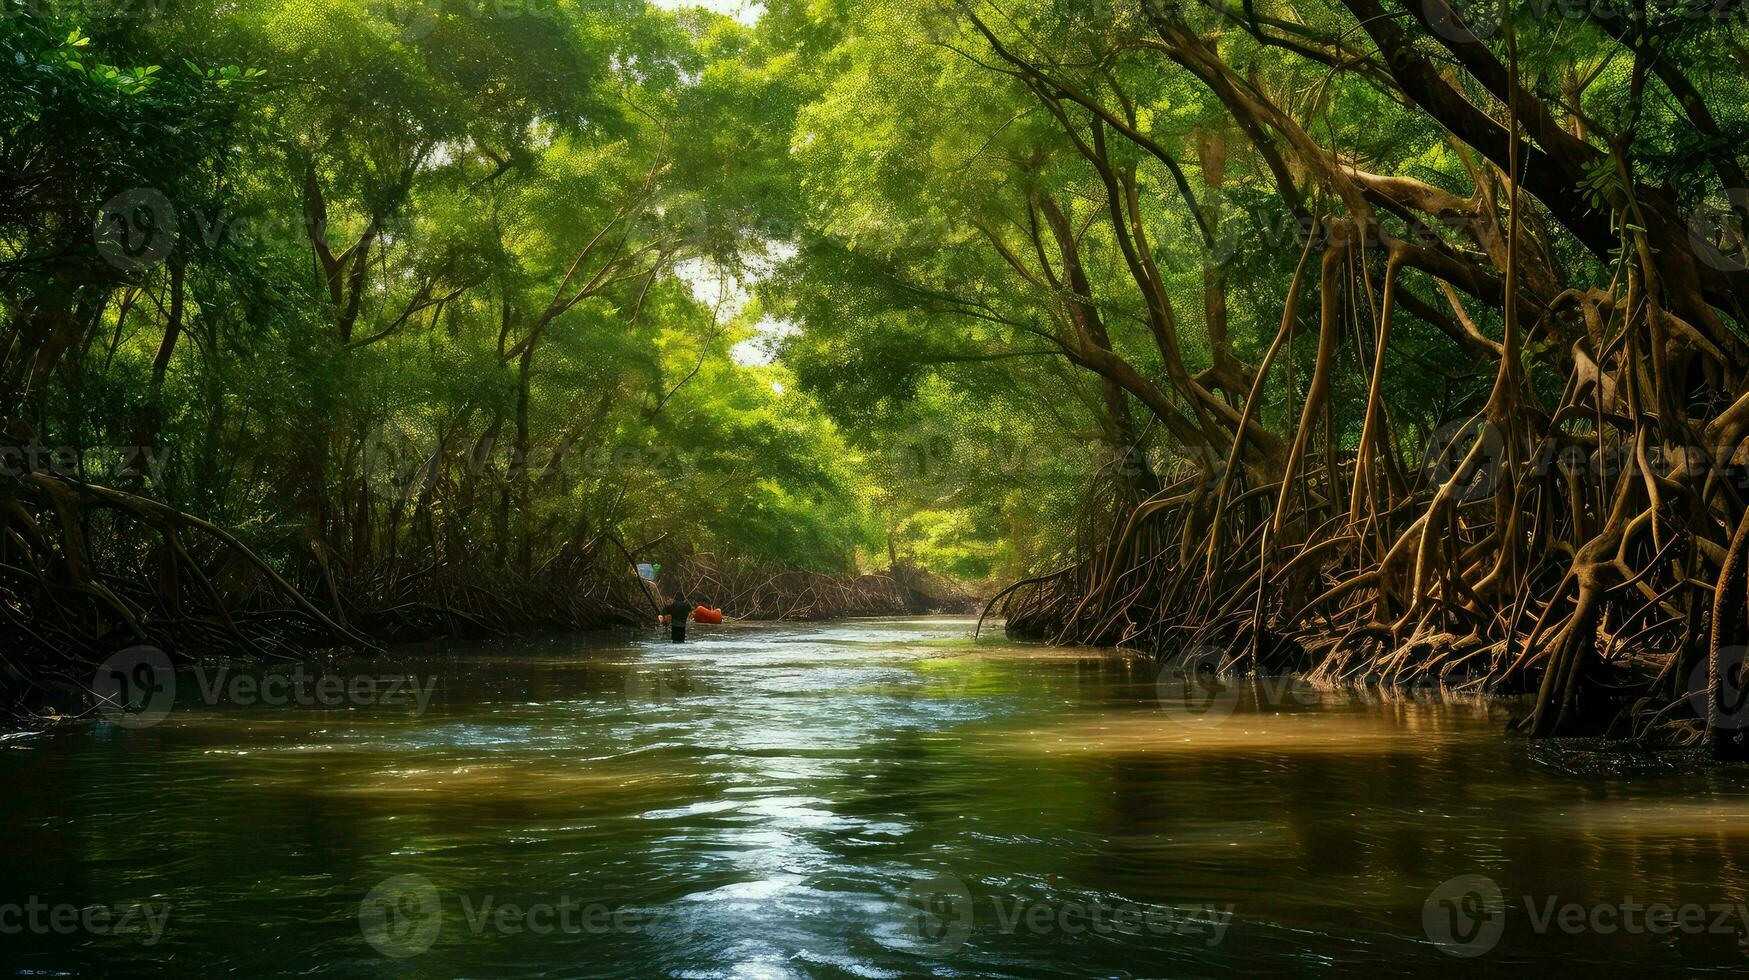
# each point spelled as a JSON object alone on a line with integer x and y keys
{"x": 1589, "y": 550}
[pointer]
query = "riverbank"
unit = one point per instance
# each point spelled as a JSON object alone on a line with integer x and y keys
{"x": 1667, "y": 701}
{"x": 759, "y": 593}
{"x": 327, "y": 606}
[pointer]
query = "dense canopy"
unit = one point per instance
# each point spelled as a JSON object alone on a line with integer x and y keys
{"x": 1388, "y": 339}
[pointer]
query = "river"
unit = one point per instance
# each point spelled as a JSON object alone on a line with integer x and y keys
{"x": 876, "y": 798}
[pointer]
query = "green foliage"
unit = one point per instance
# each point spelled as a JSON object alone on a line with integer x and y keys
{"x": 500, "y": 236}
{"x": 510, "y": 350}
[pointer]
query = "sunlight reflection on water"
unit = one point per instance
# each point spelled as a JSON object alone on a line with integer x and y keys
{"x": 764, "y": 800}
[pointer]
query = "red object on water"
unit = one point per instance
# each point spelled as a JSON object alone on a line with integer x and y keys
{"x": 703, "y": 615}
